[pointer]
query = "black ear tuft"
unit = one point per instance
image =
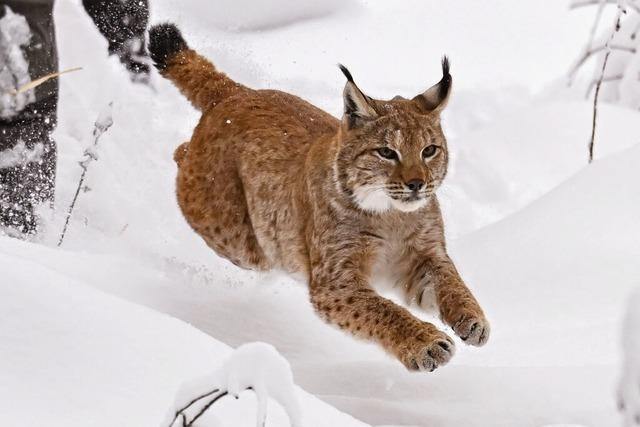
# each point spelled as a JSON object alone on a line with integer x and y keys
{"x": 446, "y": 66}
{"x": 436, "y": 97}
{"x": 165, "y": 40}
{"x": 445, "y": 83}
{"x": 357, "y": 106}
{"x": 346, "y": 72}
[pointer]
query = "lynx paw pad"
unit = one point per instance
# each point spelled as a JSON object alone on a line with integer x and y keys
{"x": 473, "y": 330}
{"x": 435, "y": 354}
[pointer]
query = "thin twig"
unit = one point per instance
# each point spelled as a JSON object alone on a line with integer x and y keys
{"x": 100, "y": 127}
{"x": 181, "y": 413}
{"x": 613, "y": 78}
{"x": 582, "y": 3}
{"x": 595, "y": 107}
{"x": 588, "y": 50}
{"x": 188, "y": 405}
{"x": 206, "y": 407}
{"x": 599, "y": 85}
{"x": 591, "y": 51}
{"x": 35, "y": 83}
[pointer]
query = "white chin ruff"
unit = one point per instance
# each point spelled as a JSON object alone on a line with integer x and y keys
{"x": 376, "y": 200}
{"x": 372, "y": 200}
{"x": 408, "y": 206}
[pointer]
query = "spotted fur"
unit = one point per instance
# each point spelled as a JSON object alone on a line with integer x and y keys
{"x": 270, "y": 181}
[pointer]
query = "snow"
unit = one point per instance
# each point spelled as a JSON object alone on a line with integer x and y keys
{"x": 236, "y": 15}
{"x": 72, "y": 355}
{"x": 19, "y": 154}
{"x": 14, "y": 69}
{"x": 503, "y": 166}
{"x": 629, "y": 391}
{"x": 134, "y": 304}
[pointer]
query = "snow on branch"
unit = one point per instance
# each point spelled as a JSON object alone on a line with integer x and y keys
{"x": 101, "y": 125}
{"x": 616, "y": 49}
{"x": 14, "y": 67}
{"x": 255, "y": 366}
{"x": 20, "y": 154}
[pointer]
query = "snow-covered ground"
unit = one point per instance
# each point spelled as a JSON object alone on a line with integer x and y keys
{"x": 105, "y": 329}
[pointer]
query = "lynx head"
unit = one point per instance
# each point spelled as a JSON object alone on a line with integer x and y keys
{"x": 392, "y": 154}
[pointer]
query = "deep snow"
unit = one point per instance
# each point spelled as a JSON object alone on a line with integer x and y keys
{"x": 72, "y": 356}
{"x": 553, "y": 273}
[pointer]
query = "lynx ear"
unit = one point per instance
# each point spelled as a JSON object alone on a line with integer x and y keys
{"x": 436, "y": 97}
{"x": 357, "y": 105}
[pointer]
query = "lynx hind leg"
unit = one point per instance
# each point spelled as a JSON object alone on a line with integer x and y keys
{"x": 418, "y": 345}
{"x": 212, "y": 200}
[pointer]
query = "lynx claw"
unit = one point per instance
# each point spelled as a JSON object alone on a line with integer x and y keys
{"x": 473, "y": 331}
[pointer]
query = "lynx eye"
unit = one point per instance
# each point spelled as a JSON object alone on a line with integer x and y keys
{"x": 387, "y": 153}
{"x": 429, "y": 151}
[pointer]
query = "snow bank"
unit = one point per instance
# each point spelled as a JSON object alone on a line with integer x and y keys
{"x": 509, "y": 162}
{"x": 75, "y": 356}
{"x": 72, "y": 355}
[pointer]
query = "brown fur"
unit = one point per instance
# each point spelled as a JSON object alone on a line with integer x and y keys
{"x": 270, "y": 181}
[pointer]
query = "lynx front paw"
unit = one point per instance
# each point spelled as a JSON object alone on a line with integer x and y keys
{"x": 473, "y": 330}
{"x": 431, "y": 355}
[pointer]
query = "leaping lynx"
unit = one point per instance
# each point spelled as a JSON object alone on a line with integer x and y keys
{"x": 270, "y": 181}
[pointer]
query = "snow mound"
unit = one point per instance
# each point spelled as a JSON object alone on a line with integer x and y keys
{"x": 524, "y": 154}
{"x": 254, "y": 366}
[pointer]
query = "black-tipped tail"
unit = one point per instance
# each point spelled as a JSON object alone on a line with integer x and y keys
{"x": 165, "y": 40}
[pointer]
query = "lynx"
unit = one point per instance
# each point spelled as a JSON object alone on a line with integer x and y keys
{"x": 271, "y": 182}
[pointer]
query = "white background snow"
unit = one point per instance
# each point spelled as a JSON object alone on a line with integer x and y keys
{"x": 104, "y": 330}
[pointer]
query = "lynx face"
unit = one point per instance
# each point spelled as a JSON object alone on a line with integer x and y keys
{"x": 395, "y": 162}
{"x": 393, "y": 154}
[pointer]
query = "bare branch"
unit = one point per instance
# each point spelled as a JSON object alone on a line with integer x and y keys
{"x": 588, "y": 50}
{"x": 613, "y": 78}
{"x": 601, "y": 79}
{"x": 102, "y": 124}
{"x": 217, "y": 393}
{"x": 188, "y": 405}
{"x": 206, "y": 407}
{"x": 592, "y": 51}
{"x": 583, "y": 3}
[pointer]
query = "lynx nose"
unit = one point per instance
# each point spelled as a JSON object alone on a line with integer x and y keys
{"x": 415, "y": 184}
